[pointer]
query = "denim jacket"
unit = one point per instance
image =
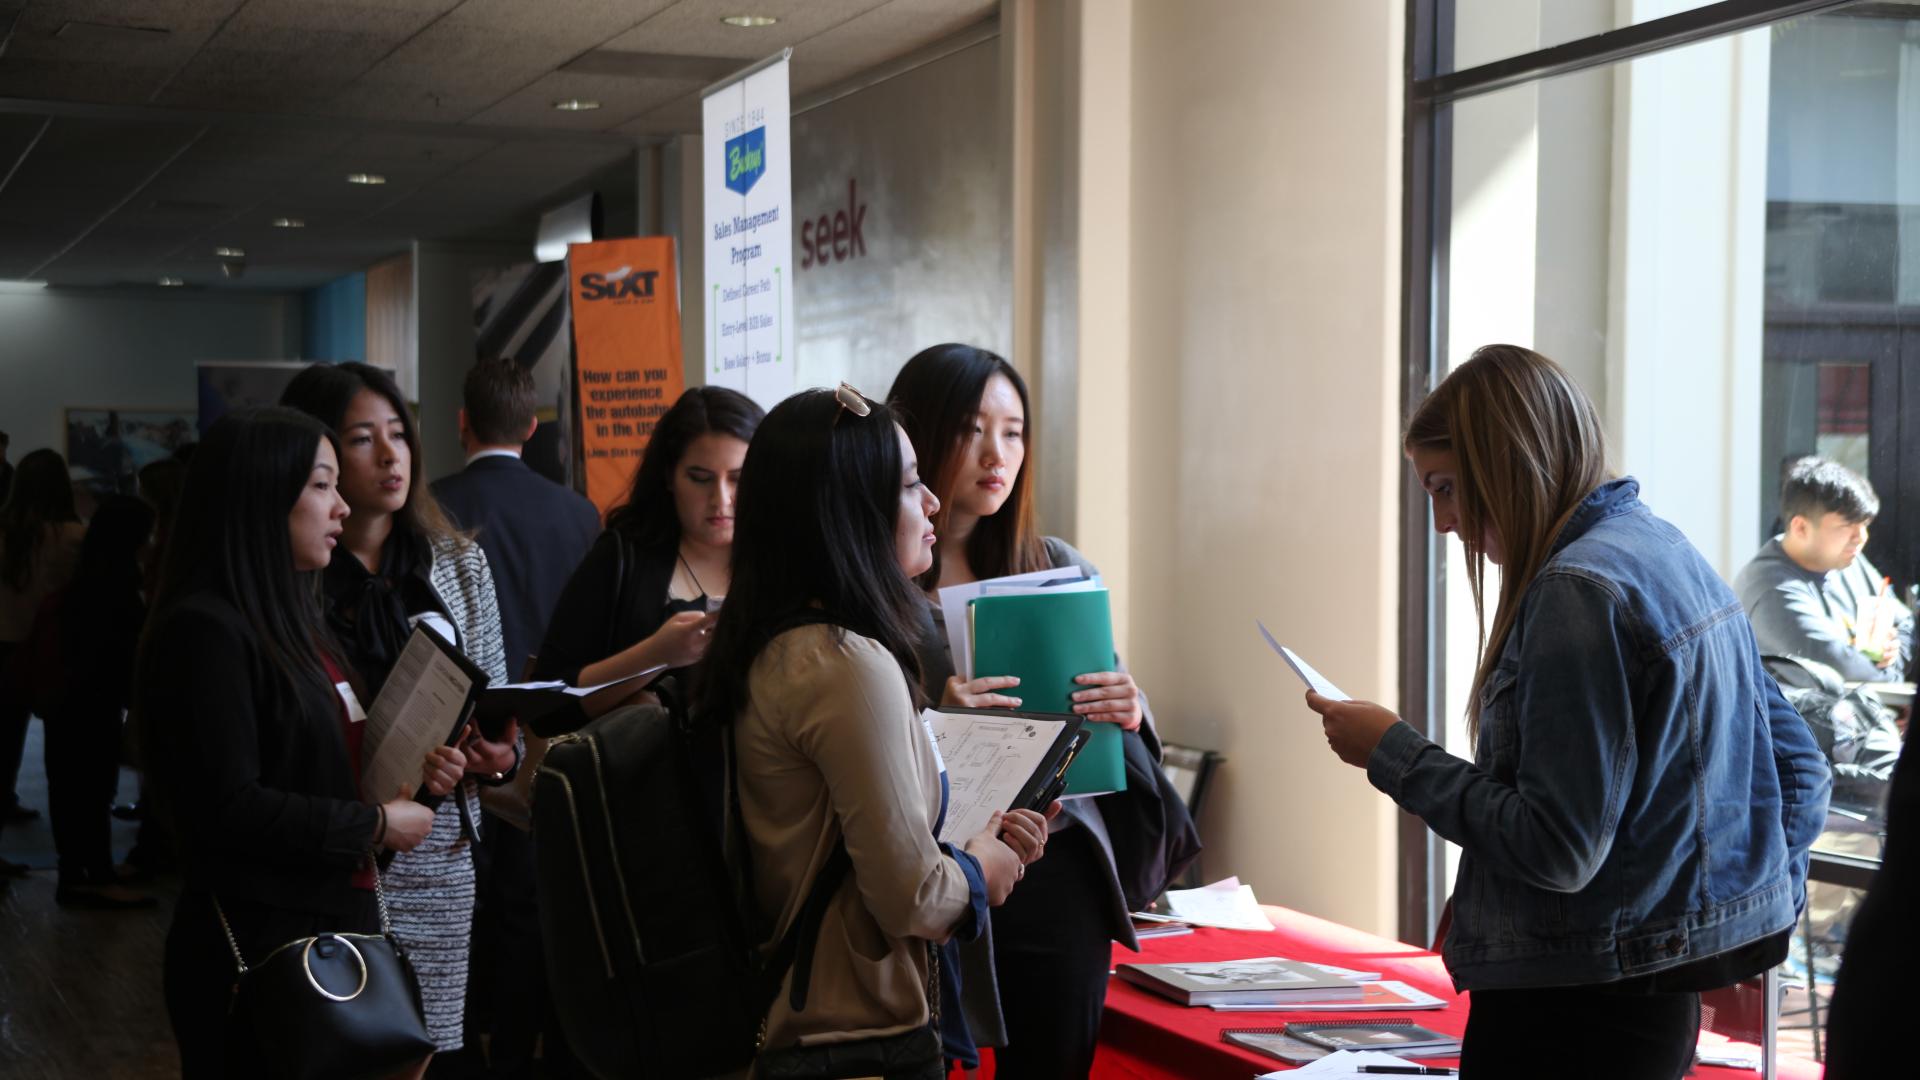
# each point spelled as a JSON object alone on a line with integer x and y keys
{"x": 1641, "y": 795}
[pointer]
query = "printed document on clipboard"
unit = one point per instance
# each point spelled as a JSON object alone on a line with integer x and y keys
{"x": 1315, "y": 681}
{"x": 423, "y": 704}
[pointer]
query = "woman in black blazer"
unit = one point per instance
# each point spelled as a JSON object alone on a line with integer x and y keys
{"x": 642, "y": 595}
{"x": 238, "y": 695}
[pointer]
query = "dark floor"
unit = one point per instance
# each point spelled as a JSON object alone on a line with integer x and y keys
{"x": 79, "y": 990}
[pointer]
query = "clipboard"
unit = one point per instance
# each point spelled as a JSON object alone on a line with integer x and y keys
{"x": 1050, "y": 779}
{"x": 426, "y": 701}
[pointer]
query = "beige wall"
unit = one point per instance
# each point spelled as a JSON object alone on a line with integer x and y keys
{"x": 1265, "y": 253}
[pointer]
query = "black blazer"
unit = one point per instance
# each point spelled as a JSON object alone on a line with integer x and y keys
{"x": 534, "y": 533}
{"x": 617, "y": 598}
{"x": 254, "y": 772}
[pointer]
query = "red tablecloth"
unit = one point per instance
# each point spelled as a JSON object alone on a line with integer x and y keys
{"x": 1148, "y": 1037}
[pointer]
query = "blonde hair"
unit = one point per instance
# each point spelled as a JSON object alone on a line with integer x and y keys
{"x": 1530, "y": 449}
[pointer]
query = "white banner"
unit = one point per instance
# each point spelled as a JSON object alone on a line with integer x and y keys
{"x": 749, "y": 209}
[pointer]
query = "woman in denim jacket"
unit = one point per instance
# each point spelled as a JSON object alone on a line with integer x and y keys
{"x": 1636, "y": 819}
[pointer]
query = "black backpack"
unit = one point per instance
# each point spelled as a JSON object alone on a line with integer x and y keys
{"x": 652, "y": 957}
{"x": 1853, "y": 728}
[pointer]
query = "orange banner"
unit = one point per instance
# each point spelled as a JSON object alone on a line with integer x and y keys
{"x": 627, "y": 365}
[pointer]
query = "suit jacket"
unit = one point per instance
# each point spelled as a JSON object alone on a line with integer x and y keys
{"x": 534, "y": 533}
{"x": 254, "y": 769}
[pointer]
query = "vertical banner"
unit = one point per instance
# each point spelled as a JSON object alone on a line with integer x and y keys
{"x": 749, "y": 204}
{"x": 627, "y": 365}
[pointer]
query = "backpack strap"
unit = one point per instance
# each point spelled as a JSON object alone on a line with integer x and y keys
{"x": 796, "y": 948}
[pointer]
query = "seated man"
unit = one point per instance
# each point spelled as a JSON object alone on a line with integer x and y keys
{"x": 1811, "y": 593}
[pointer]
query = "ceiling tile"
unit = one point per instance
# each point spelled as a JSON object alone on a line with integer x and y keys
{"x": 588, "y": 22}
{"x": 693, "y": 27}
{"x": 48, "y": 79}
{"x": 621, "y": 99}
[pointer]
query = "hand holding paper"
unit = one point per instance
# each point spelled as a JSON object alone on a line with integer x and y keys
{"x": 1315, "y": 681}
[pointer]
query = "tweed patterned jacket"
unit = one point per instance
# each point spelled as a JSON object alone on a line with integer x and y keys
{"x": 430, "y": 889}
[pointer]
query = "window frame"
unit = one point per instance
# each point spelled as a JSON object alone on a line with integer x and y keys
{"x": 1432, "y": 89}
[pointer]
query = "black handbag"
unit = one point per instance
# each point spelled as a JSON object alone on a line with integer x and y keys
{"x": 333, "y": 1006}
{"x": 1153, "y": 836}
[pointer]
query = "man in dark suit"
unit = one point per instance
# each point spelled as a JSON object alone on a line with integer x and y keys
{"x": 535, "y": 533}
{"x": 533, "y": 530}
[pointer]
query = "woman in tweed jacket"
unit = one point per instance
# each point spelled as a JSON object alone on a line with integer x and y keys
{"x": 400, "y": 564}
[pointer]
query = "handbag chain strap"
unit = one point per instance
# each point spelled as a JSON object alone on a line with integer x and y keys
{"x": 379, "y": 899}
{"x": 933, "y": 986}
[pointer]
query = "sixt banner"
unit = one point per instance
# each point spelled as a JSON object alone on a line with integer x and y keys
{"x": 627, "y": 365}
{"x": 748, "y": 173}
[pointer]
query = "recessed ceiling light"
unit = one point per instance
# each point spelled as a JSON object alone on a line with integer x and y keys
{"x": 365, "y": 178}
{"x": 230, "y": 252}
{"x": 749, "y": 22}
{"x": 288, "y": 223}
{"x": 574, "y": 104}
{"x": 172, "y": 282}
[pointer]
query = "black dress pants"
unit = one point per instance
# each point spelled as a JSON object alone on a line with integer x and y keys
{"x": 83, "y": 773}
{"x": 14, "y": 714}
{"x": 508, "y": 994}
{"x": 1052, "y": 949}
{"x": 1578, "y": 1032}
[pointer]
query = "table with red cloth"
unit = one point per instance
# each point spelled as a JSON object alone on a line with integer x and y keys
{"x": 1147, "y": 1037}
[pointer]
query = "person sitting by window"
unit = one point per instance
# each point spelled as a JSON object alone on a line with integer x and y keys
{"x": 1811, "y": 592}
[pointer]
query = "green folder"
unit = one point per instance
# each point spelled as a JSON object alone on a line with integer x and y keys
{"x": 1048, "y": 640}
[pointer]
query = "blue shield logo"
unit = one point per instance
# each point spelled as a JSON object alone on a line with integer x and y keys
{"x": 746, "y": 160}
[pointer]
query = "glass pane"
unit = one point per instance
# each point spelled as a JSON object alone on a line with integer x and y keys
{"x": 1722, "y": 243}
{"x": 1489, "y": 30}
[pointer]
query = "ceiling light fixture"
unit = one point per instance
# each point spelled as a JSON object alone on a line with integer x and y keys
{"x": 172, "y": 282}
{"x": 749, "y": 22}
{"x": 574, "y": 104}
{"x": 288, "y": 223}
{"x": 365, "y": 178}
{"x": 230, "y": 252}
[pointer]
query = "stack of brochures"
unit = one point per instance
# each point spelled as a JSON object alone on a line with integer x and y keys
{"x": 1047, "y": 628}
{"x": 1262, "y": 980}
{"x": 1147, "y": 925}
{"x": 1299, "y": 1043}
{"x": 1376, "y": 995}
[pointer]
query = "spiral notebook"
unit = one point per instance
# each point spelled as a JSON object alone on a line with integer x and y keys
{"x": 1299, "y": 1043}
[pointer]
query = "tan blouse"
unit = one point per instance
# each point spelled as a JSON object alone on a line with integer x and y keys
{"x": 51, "y": 568}
{"x": 830, "y": 741}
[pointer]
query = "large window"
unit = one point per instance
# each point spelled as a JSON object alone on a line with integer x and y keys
{"x": 1710, "y": 214}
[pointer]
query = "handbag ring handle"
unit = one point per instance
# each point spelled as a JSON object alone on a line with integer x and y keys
{"x": 306, "y": 963}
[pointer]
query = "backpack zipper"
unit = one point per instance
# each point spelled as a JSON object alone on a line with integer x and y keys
{"x": 579, "y": 844}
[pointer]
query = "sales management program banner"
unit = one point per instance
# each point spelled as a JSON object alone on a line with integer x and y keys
{"x": 749, "y": 208}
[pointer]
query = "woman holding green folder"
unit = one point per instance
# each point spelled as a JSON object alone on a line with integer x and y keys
{"x": 966, "y": 411}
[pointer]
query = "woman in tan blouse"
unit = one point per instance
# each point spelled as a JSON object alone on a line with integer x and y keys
{"x": 813, "y": 659}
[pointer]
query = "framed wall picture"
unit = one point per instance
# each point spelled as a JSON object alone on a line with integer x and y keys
{"x": 107, "y": 447}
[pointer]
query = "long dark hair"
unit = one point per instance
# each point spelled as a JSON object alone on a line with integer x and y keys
{"x": 1530, "y": 448}
{"x": 230, "y": 536}
{"x": 648, "y": 517}
{"x": 819, "y": 498}
{"x": 937, "y": 395}
{"x": 42, "y": 495}
{"x": 326, "y": 391}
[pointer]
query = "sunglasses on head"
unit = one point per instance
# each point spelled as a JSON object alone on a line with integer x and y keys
{"x": 851, "y": 401}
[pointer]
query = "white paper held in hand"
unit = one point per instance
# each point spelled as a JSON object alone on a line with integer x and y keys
{"x": 1315, "y": 681}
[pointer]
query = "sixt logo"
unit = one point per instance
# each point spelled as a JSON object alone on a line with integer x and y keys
{"x": 746, "y": 159}
{"x": 621, "y": 284}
